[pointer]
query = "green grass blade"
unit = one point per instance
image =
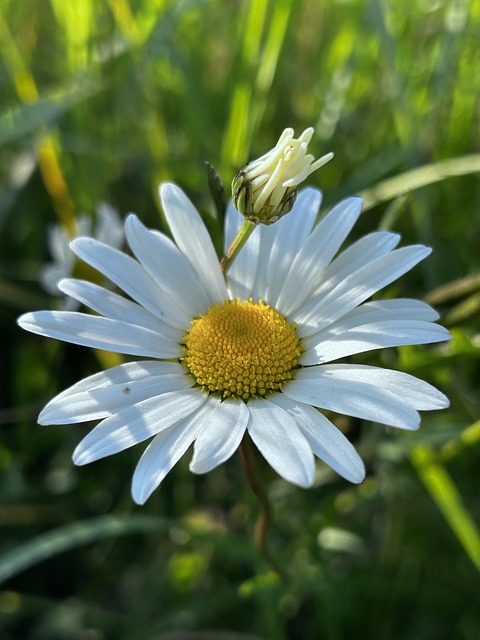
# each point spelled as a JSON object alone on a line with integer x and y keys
{"x": 75, "y": 20}
{"x": 445, "y": 494}
{"x": 467, "y": 438}
{"x": 269, "y": 60}
{"x": 236, "y": 141}
{"x": 420, "y": 177}
{"x": 17, "y": 122}
{"x": 69, "y": 537}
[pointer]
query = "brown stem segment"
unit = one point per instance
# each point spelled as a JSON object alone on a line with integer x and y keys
{"x": 265, "y": 517}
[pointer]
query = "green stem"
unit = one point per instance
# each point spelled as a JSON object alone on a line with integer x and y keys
{"x": 265, "y": 517}
{"x": 238, "y": 242}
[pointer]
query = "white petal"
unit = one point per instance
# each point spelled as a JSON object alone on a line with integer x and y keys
{"x": 193, "y": 240}
{"x": 241, "y": 275}
{"x": 171, "y": 270}
{"x": 117, "y": 307}
{"x": 417, "y": 393}
{"x": 374, "y": 311}
{"x": 137, "y": 423}
{"x": 267, "y": 239}
{"x": 99, "y": 333}
{"x": 322, "y": 386}
{"x": 132, "y": 278}
{"x": 322, "y": 310}
{"x": 279, "y": 243}
{"x": 105, "y": 400}
{"x": 316, "y": 254}
{"x": 280, "y": 441}
{"x": 399, "y": 308}
{"x": 327, "y": 442}
{"x": 165, "y": 451}
{"x": 219, "y": 440}
{"x": 354, "y": 257}
{"x": 292, "y": 232}
{"x": 340, "y": 341}
{"x": 122, "y": 374}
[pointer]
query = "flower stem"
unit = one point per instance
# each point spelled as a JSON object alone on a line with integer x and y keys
{"x": 265, "y": 517}
{"x": 238, "y": 242}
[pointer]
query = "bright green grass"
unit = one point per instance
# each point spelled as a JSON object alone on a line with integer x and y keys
{"x": 101, "y": 101}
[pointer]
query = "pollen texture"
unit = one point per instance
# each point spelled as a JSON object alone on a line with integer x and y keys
{"x": 241, "y": 349}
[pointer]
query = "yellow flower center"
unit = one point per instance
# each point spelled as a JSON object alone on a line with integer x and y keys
{"x": 241, "y": 349}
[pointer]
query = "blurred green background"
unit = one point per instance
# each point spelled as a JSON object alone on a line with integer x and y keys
{"x": 100, "y": 101}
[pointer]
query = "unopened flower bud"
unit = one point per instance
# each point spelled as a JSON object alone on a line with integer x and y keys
{"x": 265, "y": 190}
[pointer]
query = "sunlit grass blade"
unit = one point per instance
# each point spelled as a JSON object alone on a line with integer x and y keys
{"x": 269, "y": 60}
{"x": 48, "y": 152}
{"x": 464, "y": 310}
{"x": 400, "y": 109}
{"x": 236, "y": 141}
{"x": 147, "y": 17}
{"x": 75, "y": 20}
{"x": 53, "y": 177}
{"x": 447, "y": 498}
{"x": 15, "y": 64}
{"x": 250, "y": 95}
{"x": 135, "y": 30}
{"x": 124, "y": 18}
{"x": 467, "y": 286}
{"x": 420, "y": 177}
{"x": 258, "y": 65}
{"x": 452, "y": 290}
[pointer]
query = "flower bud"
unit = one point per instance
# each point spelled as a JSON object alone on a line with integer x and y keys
{"x": 265, "y": 189}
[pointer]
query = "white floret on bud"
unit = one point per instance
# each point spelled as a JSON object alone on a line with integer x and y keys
{"x": 265, "y": 189}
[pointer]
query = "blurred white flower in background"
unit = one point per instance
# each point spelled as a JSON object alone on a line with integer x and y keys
{"x": 107, "y": 228}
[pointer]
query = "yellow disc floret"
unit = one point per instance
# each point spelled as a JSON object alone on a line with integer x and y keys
{"x": 241, "y": 349}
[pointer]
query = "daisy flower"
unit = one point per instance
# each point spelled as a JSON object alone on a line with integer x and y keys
{"x": 260, "y": 350}
{"x": 108, "y": 229}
